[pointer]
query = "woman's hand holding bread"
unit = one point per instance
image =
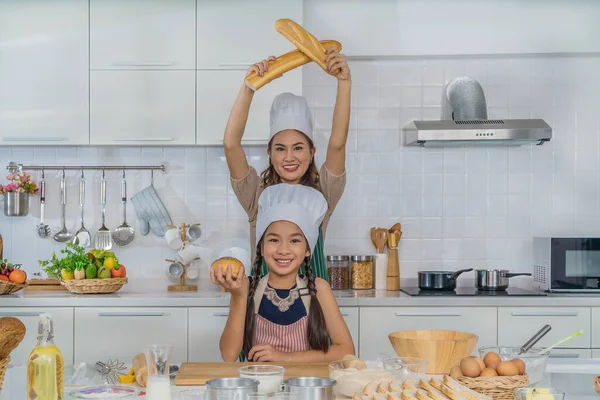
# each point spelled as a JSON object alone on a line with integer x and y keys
{"x": 12, "y": 332}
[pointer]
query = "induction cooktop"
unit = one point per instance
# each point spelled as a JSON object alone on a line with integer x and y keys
{"x": 470, "y": 291}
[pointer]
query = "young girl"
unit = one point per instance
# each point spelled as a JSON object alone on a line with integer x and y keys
{"x": 284, "y": 317}
{"x": 291, "y": 150}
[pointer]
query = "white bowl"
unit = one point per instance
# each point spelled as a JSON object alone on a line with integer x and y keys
{"x": 269, "y": 376}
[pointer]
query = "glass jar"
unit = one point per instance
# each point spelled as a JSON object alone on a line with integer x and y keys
{"x": 338, "y": 269}
{"x": 363, "y": 271}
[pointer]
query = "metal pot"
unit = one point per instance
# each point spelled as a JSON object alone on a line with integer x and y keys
{"x": 16, "y": 204}
{"x": 239, "y": 387}
{"x": 439, "y": 280}
{"x": 494, "y": 279}
{"x": 310, "y": 388}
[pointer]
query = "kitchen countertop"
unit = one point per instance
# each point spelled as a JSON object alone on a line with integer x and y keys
{"x": 152, "y": 295}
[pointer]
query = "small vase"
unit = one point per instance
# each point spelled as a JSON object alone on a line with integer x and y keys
{"x": 16, "y": 204}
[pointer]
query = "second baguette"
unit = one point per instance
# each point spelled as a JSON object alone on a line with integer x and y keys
{"x": 285, "y": 63}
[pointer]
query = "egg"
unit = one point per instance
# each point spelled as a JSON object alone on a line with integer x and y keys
{"x": 480, "y": 362}
{"x": 455, "y": 372}
{"x": 470, "y": 367}
{"x": 491, "y": 358}
{"x": 520, "y": 364}
{"x": 494, "y": 365}
{"x": 507, "y": 368}
{"x": 488, "y": 373}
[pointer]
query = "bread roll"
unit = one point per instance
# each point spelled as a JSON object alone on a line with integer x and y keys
{"x": 12, "y": 332}
{"x": 140, "y": 369}
{"x": 283, "y": 64}
{"x": 225, "y": 262}
{"x": 304, "y": 41}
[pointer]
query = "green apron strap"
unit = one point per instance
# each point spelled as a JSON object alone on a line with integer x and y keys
{"x": 317, "y": 262}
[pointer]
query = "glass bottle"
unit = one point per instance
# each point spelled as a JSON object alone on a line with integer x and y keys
{"x": 45, "y": 367}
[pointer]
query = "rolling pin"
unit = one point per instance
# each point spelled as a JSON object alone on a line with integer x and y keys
{"x": 140, "y": 369}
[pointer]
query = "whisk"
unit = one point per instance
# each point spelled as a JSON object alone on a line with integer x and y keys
{"x": 111, "y": 370}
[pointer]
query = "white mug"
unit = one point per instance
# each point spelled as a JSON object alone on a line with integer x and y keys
{"x": 175, "y": 270}
{"x": 191, "y": 272}
{"x": 189, "y": 254}
{"x": 173, "y": 238}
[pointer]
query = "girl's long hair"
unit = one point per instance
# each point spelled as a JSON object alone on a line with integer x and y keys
{"x": 318, "y": 338}
{"x": 310, "y": 178}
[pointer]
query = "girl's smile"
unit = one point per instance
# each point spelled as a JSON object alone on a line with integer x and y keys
{"x": 284, "y": 248}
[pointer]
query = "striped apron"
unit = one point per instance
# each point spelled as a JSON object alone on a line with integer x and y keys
{"x": 317, "y": 262}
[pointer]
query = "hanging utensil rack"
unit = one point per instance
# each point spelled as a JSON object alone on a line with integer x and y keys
{"x": 18, "y": 168}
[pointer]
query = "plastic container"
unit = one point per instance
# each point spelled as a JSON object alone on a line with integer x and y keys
{"x": 338, "y": 269}
{"x": 538, "y": 394}
{"x": 363, "y": 272}
{"x": 270, "y": 377}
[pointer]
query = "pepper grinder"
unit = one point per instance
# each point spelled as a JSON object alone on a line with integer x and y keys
{"x": 393, "y": 267}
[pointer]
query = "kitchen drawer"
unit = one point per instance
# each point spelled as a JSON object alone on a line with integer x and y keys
{"x": 206, "y": 326}
{"x": 596, "y": 328}
{"x": 517, "y": 324}
{"x": 376, "y": 323}
{"x": 595, "y": 353}
{"x": 121, "y": 333}
{"x": 62, "y": 319}
{"x": 581, "y": 354}
{"x": 351, "y": 316}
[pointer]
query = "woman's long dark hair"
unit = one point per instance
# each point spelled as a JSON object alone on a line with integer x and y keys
{"x": 318, "y": 339}
{"x": 310, "y": 178}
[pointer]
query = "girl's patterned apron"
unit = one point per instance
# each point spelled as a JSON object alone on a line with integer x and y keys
{"x": 317, "y": 262}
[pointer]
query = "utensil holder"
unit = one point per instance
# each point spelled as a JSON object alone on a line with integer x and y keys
{"x": 16, "y": 204}
{"x": 381, "y": 264}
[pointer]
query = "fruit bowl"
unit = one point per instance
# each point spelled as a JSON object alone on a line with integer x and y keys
{"x": 535, "y": 364}
{"x": 94, "y": 286}
{"x": 10, "y": 287}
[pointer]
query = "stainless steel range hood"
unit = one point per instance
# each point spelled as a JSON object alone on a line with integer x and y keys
{"x": 469, "y": 124}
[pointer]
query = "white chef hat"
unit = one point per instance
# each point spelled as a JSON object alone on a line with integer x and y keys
{"x": 290, "y": 111}
{"x": 302, "y": 205}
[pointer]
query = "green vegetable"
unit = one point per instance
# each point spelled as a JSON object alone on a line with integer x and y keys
{"x": 91, "y": 272}
{"x": 73, "y": 254}
{"x": 101, "y": 255}
{"x": 103, "y": 273}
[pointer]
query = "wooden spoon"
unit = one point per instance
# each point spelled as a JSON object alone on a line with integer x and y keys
{"x": 381, "y": 235}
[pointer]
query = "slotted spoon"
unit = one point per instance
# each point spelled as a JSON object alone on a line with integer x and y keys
{"x": 63, "y": 235}
{"x": 83, "y": 236}
{"x": 123, "y": 234}
{"x": 103, "y": 237}
{"x": 42, "y": 228}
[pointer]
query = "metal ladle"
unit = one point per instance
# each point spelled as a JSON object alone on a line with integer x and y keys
{"x": 42, "y": 228}
{"x": 63, "y": 235}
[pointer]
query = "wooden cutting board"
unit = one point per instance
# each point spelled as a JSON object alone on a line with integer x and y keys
{"x": 194, "y": 374}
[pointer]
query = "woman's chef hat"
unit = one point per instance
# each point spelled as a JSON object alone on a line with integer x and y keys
{"x": 302, "y": 205}
{"x": 289, "y": 111}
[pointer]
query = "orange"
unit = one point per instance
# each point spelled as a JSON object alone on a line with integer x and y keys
{"x": 17, "y": 276}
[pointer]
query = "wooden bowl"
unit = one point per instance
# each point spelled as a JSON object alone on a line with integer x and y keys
{"x": 441, "y": 348}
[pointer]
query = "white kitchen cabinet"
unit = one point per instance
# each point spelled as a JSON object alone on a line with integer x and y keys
{"x": 595, "y": 353}
{"x": 423, "y": 27}
{"x": 143, "y": 34}
{"x": 121, "y": 333}
{"x": 376, "y": 323}
{"x": 571, "y": 354}
{"x": 206, "y": 325}
{"x": 44, "y": 73}
{"x": 351, "y": 317}
{"x": 516, "y": 325}
{"x": 216, "y": 93}
{"x": 596, "y": 327}
{"x": 234, "y": 34}
{"x": 142, "y": 107}
{"x": 62, "y": 319}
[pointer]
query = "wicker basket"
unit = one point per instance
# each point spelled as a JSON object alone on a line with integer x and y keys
{"x": 498, "y": 388}
{"x": 10, "y": 287}
{"x": 3, "y": 365}
{"x": 108, "y": 285}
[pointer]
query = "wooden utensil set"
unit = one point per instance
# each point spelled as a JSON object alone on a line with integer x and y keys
{"x": 382, "y": 237}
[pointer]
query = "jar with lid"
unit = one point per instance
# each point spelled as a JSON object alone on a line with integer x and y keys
{"x": 338, "y": 269}
{"x": 363, "y": 270}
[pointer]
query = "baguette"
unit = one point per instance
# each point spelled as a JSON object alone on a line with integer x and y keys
{"x": 463, "y": 390}
{"x": 304, "y": 41}
{"x": 283, "y": 64}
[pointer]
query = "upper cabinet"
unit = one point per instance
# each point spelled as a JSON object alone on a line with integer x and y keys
{"x": 143, "y": 34}
{"x": 458, "y": 27}
{"x": 233, "y": 34}
{"x": 44, "y": 72}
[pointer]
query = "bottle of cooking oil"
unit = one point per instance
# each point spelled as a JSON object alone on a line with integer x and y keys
{"x": 45, "y": 368}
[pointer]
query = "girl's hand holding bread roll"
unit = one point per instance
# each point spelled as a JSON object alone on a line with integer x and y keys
{"x": 228, "y": 272}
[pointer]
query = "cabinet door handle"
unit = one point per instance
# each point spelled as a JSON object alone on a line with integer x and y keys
{"x": 234, "y": 64}
{"x": 426, "y": 314}
{"x": 158, "y": 139}
{"x": 253, "y": 140}
{"x": 221, "y": 314}
{"x": 20, "y": 313}
{"x": 345, "y": 314}
{"x": 544, "y": 314}
{"x": 574, "y": 355}
{"x": 33, "y": 139}
{"x": 131, "y": 314}
{"x": 141, "y": 64}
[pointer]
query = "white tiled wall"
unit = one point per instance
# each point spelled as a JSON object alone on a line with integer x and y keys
{"x": 458, "y": 207}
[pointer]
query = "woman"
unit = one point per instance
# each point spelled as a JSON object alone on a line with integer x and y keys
{"x": 291, "y": 151}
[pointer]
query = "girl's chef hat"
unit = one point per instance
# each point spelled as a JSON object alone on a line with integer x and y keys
{"x": 302, "y": 205}
{"x": 289, "y": 111}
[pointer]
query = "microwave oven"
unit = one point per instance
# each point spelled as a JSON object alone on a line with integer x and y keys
{"x": 566, "y": 264}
